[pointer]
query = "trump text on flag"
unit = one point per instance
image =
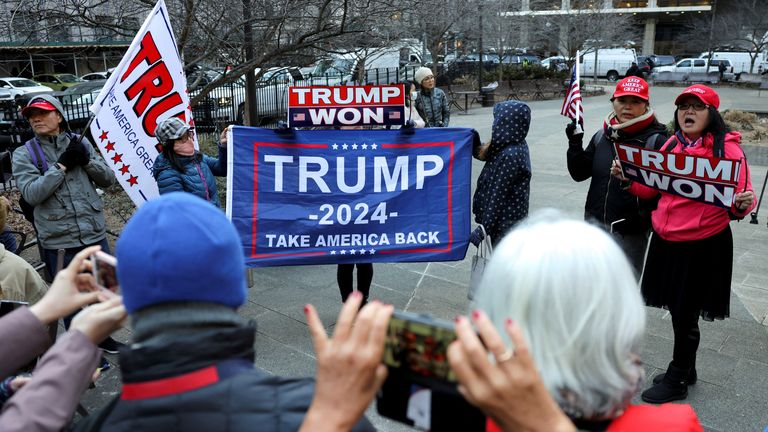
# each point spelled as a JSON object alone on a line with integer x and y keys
{"x": 706, "y": 179}
{"x": 346, "y": 105}
{"x": 148, "y": 86}
{"x": 345, "y": 196}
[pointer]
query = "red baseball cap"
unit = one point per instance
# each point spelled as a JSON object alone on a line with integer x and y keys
{"x": 632, "y": 86}
{"x": 702, "y": 93}
{"x": 39, "y": 104}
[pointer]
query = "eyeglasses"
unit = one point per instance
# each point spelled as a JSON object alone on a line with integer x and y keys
{"x": 698, "y": 106}
{"x": 190, "y": 134}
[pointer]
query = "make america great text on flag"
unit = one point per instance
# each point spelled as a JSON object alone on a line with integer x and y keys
{"x": 147, "y": 87}
{"x": 350, "y": 196}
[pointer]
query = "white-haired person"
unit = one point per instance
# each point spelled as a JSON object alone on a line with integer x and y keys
{"x": 565, "y": 295}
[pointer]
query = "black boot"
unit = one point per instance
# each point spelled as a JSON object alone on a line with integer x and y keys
{"x": 673, "y": 387}
{"x": 690, "y": 380}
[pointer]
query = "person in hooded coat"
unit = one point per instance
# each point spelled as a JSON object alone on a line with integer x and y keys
{"x": 631, "y": 121}
{"x": 504, "y": 185}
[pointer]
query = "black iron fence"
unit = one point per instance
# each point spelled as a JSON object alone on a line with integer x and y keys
{"x": 223, "y": 106}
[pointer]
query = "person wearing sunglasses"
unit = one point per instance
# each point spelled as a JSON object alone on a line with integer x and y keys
{"x": 181, "y": 168}
{"x": 690, "y": 255}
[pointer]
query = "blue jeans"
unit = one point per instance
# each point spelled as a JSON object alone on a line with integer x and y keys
{"x": 50, "y": 257}
{"x": 9, "y": 241}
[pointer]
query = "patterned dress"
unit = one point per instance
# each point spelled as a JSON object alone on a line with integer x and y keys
{"x": 503, "y": 189}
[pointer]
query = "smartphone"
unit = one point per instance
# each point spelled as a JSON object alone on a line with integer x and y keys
{"x": 420, "y": 389}
{"x": 105, "y": 270}
{"x": 418, "y": 344}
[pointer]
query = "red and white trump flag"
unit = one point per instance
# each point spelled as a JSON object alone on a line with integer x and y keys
{"x": 147, "y": 87}
{"x": 572, "y": 107}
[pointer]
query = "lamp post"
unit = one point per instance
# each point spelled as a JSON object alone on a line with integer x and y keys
{"x": 480, "y": 47}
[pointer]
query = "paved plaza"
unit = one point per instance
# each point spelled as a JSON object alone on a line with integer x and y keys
{"x": 732, "y": 362}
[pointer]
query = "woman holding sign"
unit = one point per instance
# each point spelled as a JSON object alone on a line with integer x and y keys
{"x": 690, "y": 257}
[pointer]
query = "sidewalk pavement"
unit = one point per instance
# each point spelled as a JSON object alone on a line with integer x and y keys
{"x": 733, "y": 356}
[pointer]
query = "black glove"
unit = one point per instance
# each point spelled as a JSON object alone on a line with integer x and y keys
{"x": 476, "y": 236}
{"x": 409, "y": 124}
{"x": 70, "y": 158}
{"x": 574, "y": 139}
{"x": 78, "y": 148}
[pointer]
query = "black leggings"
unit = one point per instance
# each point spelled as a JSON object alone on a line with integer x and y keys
{"x": 687, "y": 336}
{"x": 364, "y": 278}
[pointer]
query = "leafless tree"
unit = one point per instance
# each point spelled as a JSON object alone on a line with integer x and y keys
{"x": 211, "y": 32}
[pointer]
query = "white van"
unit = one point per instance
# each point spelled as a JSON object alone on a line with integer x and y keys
{"x": 611, "y": 62}
{"x": 740, "y": 61}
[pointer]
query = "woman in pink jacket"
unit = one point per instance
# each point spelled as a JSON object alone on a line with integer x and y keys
{"x": 690, "y": 256}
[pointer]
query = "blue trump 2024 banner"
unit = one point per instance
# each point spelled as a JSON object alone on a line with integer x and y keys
{"x": 350, "y": 196}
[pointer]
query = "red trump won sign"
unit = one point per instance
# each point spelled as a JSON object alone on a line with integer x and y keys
{"x": 346, "y": 105}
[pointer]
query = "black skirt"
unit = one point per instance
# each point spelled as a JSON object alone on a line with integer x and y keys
{"x": 689, "y": 276}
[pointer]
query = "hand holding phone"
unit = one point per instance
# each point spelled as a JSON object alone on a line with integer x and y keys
{"x": 104, "y": 268}
{"x": 421, "y": 388}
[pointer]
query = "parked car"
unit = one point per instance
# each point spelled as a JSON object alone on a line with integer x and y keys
{"x": 77, "y": 99}
{"x": 521, "y": 59}
{"x": 21, "y": 87}
{"x": 95, "y": 76}
{"x": 685, "y": 67}
{"x": 58, "y": 81}
{"x": 558, "y": 63}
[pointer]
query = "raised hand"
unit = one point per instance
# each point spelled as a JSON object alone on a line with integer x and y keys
{"x": 349, "y": 368}
{"x": 509, "y": 390}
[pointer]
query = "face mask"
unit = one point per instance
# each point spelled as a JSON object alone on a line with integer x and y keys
{"x": 414, "y": 95}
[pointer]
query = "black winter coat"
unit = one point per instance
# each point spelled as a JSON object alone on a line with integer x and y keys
{"x": 504, "y": 185}
{"x": 607, "y": 202}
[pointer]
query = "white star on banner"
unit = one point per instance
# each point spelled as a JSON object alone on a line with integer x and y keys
{"x": 343, "y": 252}
{"x": 364, "y": 146}
{"x": 373, "y": 251}
{"x": 354, "y": 146}
{"x": 351, "y": 251}
{"x": 344, "y": 146}
{"x": 335, "y": 146}
{"x": 374, "y": 146}
{"x": 362, "y": 251}
{"x": 333, "y": 252}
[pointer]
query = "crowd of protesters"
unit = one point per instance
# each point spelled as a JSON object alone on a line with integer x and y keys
{"x": 558, "y": 319}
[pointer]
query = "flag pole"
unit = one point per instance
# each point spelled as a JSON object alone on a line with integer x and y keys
{"x": 579, "y": 129}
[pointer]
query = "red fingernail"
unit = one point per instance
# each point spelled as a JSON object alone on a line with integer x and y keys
{"x": 458, "y": 318}
{"x": 509, "y": 321}
{"x": 357, "y": 294}
{"x": 475, "y": 314}
{"x": 306, "y": 309}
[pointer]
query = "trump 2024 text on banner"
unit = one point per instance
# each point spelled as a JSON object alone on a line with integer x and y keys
{"x": 347, "y": 196}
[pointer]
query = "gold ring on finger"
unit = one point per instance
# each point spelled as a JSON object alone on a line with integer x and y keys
{"x": 505, "y": 356}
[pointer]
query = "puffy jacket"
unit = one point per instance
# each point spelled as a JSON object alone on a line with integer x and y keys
{"x": 434, "y": 105}
{"x": 68, "y": 210}
{"x": 607, "y": 202}
{"x": 681, "y": 219}
{"x": 197, "y": 178}
{"x": 201, "y": 378}
{"x": 504, "y": 185}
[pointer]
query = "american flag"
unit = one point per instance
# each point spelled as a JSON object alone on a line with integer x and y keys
{"x": 572, "y": 105}
{"x": 299, "y": 117}
{"x": 394, "y": 115}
